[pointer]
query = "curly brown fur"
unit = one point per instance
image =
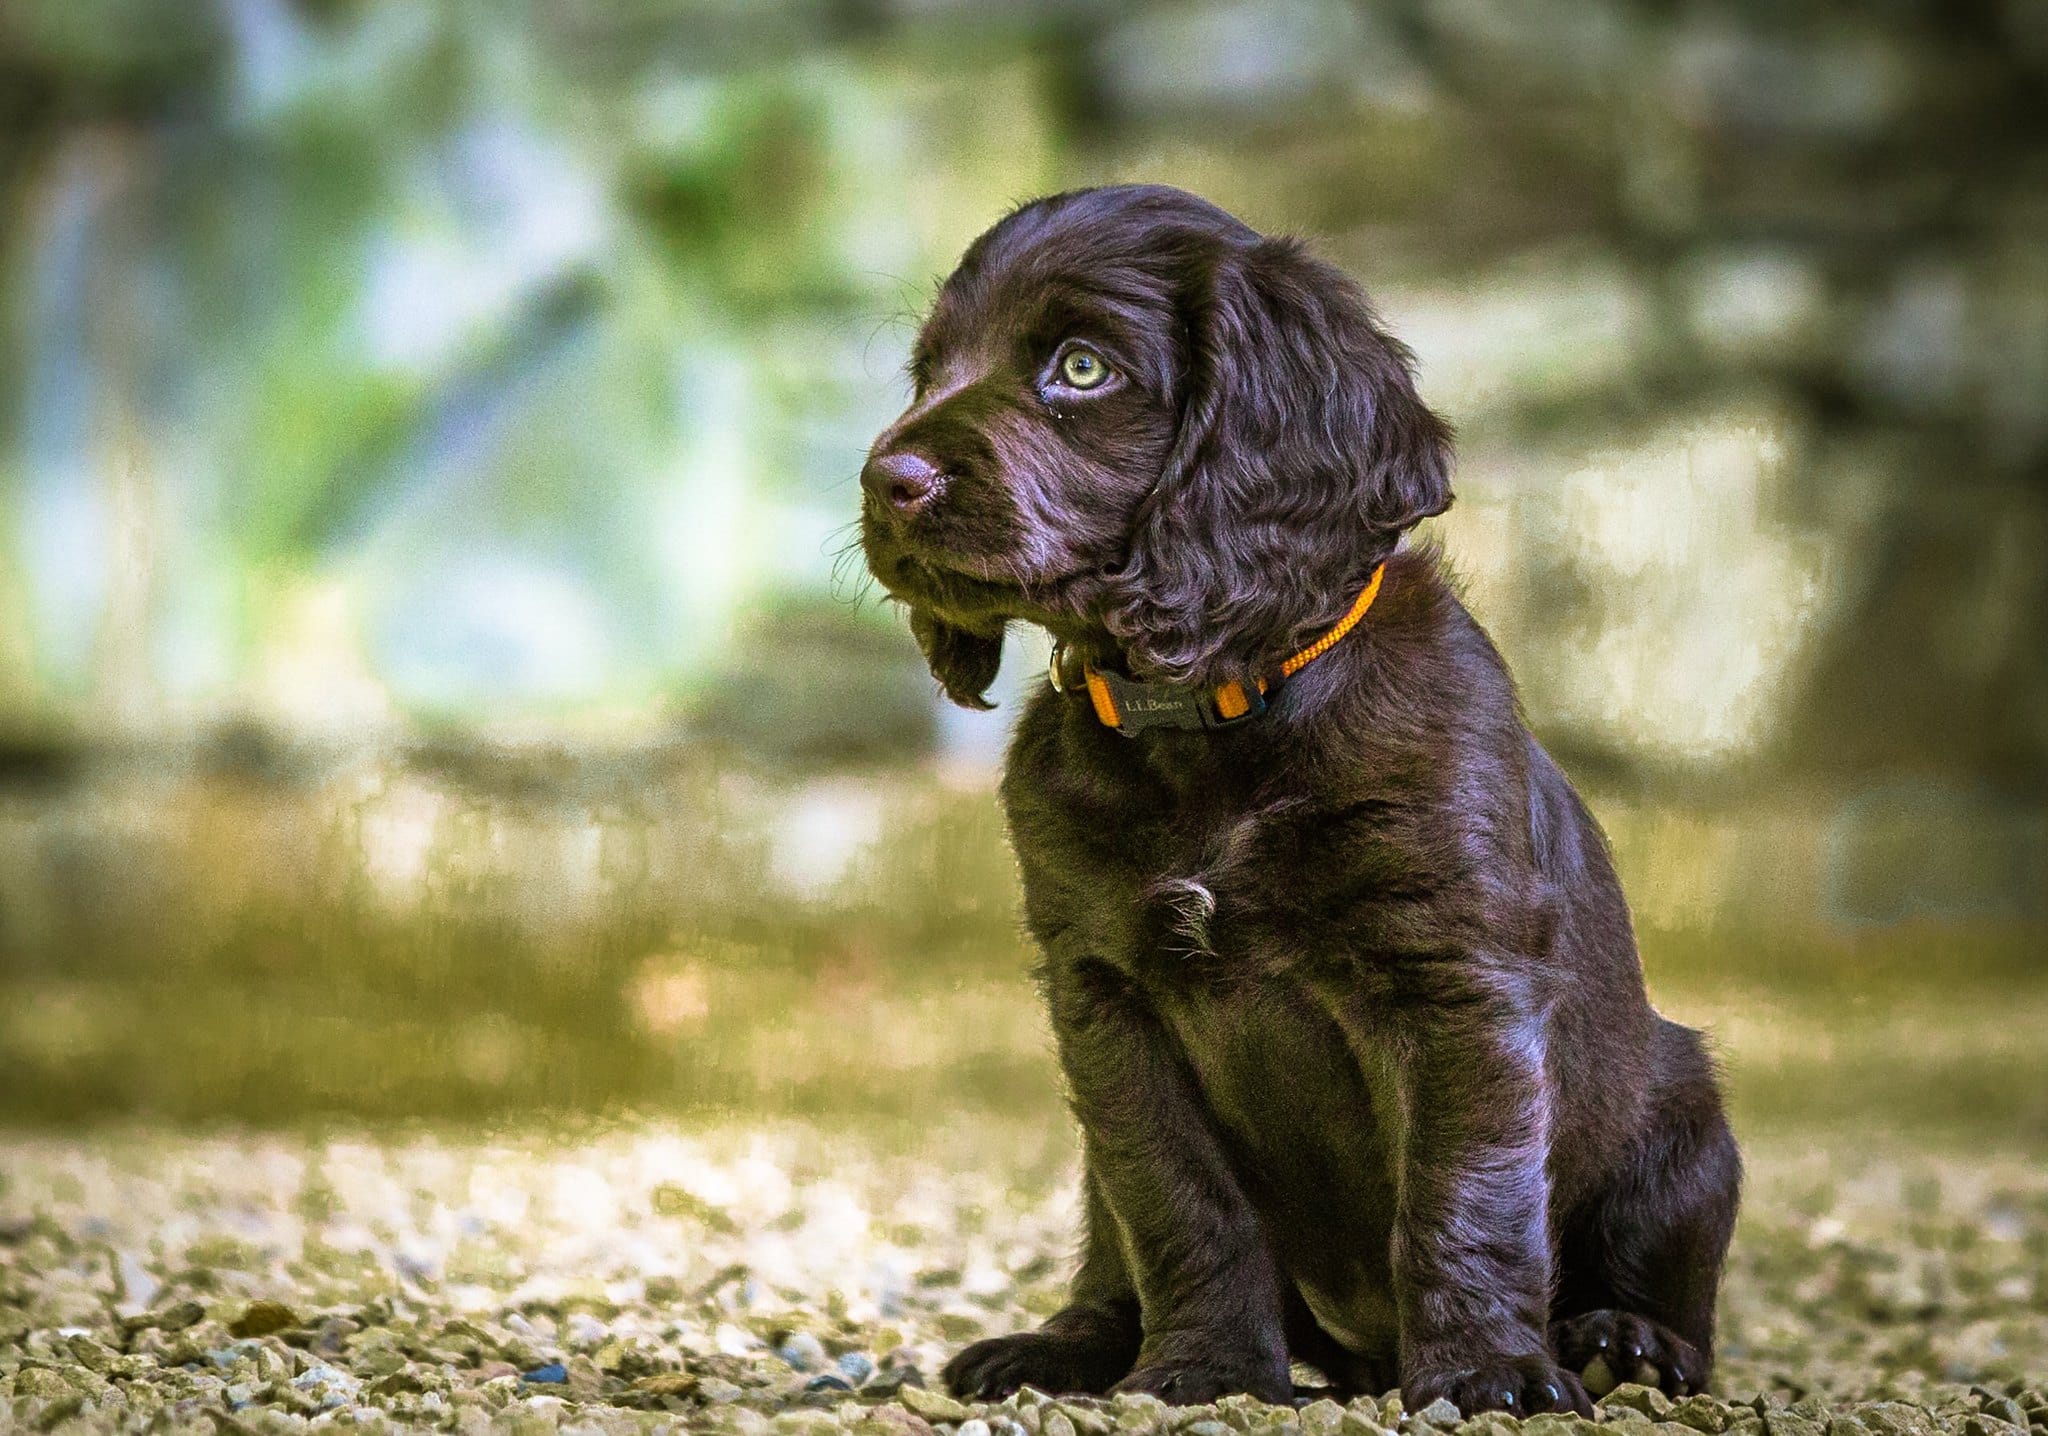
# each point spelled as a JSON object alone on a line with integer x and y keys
{"x": 1347, "y": 996}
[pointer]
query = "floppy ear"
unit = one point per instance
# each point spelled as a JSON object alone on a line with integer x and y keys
{"x": 1303, "y": 453}
{"x": 965, "y": 663}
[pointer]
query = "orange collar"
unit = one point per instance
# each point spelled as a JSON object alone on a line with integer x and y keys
{"x": 1131, "y": 707}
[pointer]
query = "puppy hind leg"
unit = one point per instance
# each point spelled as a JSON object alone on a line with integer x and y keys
{"x": 1641, "y": 1262}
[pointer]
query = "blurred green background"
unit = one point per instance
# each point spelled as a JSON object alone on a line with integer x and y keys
{"x": 433, "y": 684}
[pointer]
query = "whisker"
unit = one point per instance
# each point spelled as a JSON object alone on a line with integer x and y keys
{"x": 844, "y": 543}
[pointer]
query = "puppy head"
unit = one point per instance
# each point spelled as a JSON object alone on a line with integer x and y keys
{"x": 1161, "y": 435}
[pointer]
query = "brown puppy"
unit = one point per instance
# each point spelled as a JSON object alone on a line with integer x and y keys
{"x": 1344, "y": 986}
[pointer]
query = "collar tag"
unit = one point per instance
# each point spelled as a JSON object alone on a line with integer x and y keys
{"x": 1130, "y": 707}
{"x": 1152, "y": 705}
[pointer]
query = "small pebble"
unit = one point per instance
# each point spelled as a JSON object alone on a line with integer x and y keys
{"x": 894, "y": 1378}
{"x": 172, "y": 1318}
{"x": 667, "y": 1383}
{"x": 328, "y": 1385}
{"x": 261, "y": 1318}
{"x": 802, "y": 1351}
{"x": 931, "y": 1405}
{"x": 1440, "y": 1412}
{"x": 584, "y": 1331}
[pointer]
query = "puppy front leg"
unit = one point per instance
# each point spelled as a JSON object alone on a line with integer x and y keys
{"x": 1471, "y": 1244}
{"x": 1209, "y": 1292}
{"x": 1086, "y": 1346}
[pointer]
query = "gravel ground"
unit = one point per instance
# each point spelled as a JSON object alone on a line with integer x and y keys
{"x": 792, "y": 1279}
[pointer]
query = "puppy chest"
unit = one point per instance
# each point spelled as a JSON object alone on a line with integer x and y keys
{"x": 1279, "y": 1080}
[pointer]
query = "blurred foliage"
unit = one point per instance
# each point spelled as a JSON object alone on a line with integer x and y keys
{"x": 427, "y": 435}
{"x": 551, "y": 334}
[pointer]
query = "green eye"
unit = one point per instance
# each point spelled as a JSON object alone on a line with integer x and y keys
{"x": 1083, "y": 369}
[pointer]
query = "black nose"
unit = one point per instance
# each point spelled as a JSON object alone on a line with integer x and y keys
{"x": 901, "y": 482}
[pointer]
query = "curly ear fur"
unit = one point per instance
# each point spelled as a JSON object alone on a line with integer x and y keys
{"x": 965, "y": 663}
{"x": 1304, "y": 452}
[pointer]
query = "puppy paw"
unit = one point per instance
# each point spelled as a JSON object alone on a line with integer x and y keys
{"x": 1197, "y": 1383}
{"x": 1520, "y": 1386}
{"x": 1055, "y": 1363}
{"x": 1610, "y": 1347}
